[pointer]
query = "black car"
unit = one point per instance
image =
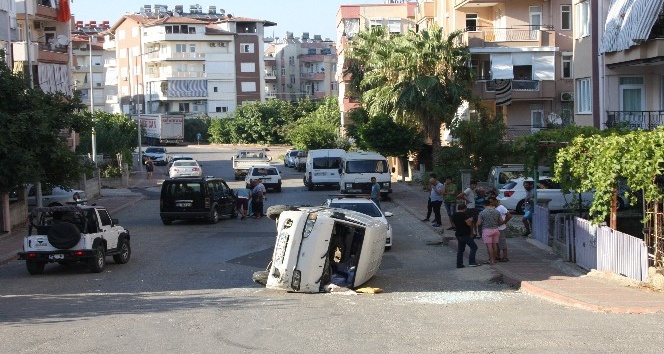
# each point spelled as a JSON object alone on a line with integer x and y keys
{"x": 196, "y": 198}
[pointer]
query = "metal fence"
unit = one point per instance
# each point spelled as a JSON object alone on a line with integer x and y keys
{"x": 622, "y": 254}
{"x": 540, "y": 224}
{"x": 584, "y": 241}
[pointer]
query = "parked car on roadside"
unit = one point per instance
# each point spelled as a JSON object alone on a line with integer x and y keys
{"x": 290, "y": 158}
{"x": 364, "y": 205}
{"x": 56, "y": 196}
{"x": 206, "y": 198}
{"x": 513, "y": 194}
{"x": 268, "y": 175}
{"x": 158, "y": 155}
{"x": 185, "y": 168}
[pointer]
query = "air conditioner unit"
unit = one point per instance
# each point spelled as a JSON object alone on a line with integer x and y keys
{"x": 567, "y": 96}
{"x": 98, "y": 84}
{"x": 212, "y": 44}
{"x": 221, "y": 44}
{"x": 38, "y": 25}
{"x": 307, "y": 64}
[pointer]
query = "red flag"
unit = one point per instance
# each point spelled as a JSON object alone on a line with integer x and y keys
{"x": 64, "y": 14}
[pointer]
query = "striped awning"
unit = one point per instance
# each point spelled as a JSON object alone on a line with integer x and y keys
{"x": 629, "y": 23}
{"x": 187, "y": 88}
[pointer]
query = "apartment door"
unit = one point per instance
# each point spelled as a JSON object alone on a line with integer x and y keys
{"x": 537, "y": 120}
{"x": 535, "y": 21}
{"x": 632, "y": 101}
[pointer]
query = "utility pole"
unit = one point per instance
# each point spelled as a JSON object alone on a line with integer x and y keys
{"x": 92, "y": 106}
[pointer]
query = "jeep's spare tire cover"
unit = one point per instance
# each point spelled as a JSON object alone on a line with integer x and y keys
{"x": 64, "y": 235}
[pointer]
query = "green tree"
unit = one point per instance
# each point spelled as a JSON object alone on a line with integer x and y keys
{"x": 421, "y": 77}
{"x": 319, "y": 129}
{"x": 115, "y": 134}
{"x": 33, "y": 130}
{"x": 192, "y": 126}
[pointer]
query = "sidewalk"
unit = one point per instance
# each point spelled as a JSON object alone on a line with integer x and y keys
{"x": 113, "y": 199}
{"x": 536, "y": 270}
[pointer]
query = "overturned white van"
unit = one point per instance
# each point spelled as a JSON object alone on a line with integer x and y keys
{"x": 318, "y": 246}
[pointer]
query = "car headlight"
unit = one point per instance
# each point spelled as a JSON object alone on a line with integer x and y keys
{"x": 386, "y": 184}
{"x": 349, "y": 185}
{"x": 309, "y": 225}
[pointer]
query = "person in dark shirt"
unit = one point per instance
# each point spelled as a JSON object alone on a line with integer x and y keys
{"x": 463, "y": 222}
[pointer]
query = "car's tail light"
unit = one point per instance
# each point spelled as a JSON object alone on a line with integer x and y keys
{"x": 508, "y": 193}
{"x": 79, "y": 253}
{"x": 32, "y": 255}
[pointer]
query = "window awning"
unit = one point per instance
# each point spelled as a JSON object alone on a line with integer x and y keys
{"x": 628, "y": 23}
{"x": 543, "y": 65}
{"x": 501, "y": 66}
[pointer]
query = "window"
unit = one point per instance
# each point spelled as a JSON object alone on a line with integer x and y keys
{"x": 121, "y": 34}
{"x": 583, "y": 21}
{"x": 565, "y": 17}
{"x": 246, "y": 48}
{"x": 96, "y": 60}
{"x": 134, "y": 32}
{"x": 376, "y": 22}
{"x": 292, "y": 79}
{"x": 248, "y": 86}
{"x": 283, "y": 71}
{"x": 471, "y": 22}
{"x": 584, "y": 96}
{"x": 183, "y": 107}
{"x": 537, "y": 120}
{"x": 248, "y": 67}
{"x": 291, "y": 60}
{"x": 394, "y": 25}
{"x": 215, "y": 89}
{"x": 192, "y": 48}
{"x": 566, "y": 66}
{"x": 180, "y": 48}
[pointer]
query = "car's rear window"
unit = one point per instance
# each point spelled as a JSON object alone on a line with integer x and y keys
{"x": 293, "y": 153}
{"x": 155, "y": 150}
{"x": 182, "y": 189}
{"x": 264, "y": 172}
{"x": 509, "y": 185}
{"x": 185, "y": 163}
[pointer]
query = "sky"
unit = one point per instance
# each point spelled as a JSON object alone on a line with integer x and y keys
{"x": 297, "y": 16}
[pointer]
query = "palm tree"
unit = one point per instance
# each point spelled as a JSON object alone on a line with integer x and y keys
{"x": 421, "y": 77}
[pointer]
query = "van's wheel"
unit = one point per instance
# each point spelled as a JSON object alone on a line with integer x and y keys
{"x": 98, "y": 262}
{"x": 125, "y": 253}
{"x": 214, "y": 216}
{"x": 166, "y": 221}
{"x": 310, "y": 186}
{"x": 278, "y": 189}
{"x": 35, "y": 267}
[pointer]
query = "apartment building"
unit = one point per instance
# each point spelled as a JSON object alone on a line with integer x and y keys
{"x": 524, "y": 48}
{"x": 8, "y": 28}
{"x": 42, "y": 48}
{"x": 397, "y": 17}
{"x": 89, "y": 62}
{"x": 191, "y": 62}
{"x": 301, "y": 67}
{"x": 619, "y": 77}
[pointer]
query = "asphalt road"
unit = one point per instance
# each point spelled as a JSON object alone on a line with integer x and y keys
{"x": 188, "y": 289}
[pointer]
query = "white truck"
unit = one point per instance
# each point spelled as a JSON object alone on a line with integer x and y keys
{"x": 356, "y": 170}
{"x": 243, "y": 160}
{"x": 162, "y": 128}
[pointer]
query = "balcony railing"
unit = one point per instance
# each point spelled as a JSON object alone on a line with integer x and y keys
{"x": 517, "y": 85}
{"x": 165, "y": 56}
{"x": 646, "y": 120}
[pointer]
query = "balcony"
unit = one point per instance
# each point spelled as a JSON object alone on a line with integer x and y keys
{"x": 311, "y": 58}
{"x": 40, "y": 52}
{"x": 320, "y": 76}
{"x": 646, "y": 120}
{"x": 109, "y": 45}
{"x": 509, "y": 37}
{"x": 270, "y": 75}
{"x": 158, "y": 56}
{"x": 177, "y": 74}
{"x": 111, "y": 99}
{"x": 110, "y": 63}
{"x": 521, "y": 89}
{"x": 474, "y": 4}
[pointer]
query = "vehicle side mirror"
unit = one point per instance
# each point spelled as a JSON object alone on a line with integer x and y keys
{"x": 388, "y": 214}
{"x": 339, "y": 170}
{"x": 114, "y": 222}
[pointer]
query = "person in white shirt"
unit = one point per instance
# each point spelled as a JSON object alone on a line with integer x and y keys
{"x": 469, "y": 196}
{"x": 502, "y": 240}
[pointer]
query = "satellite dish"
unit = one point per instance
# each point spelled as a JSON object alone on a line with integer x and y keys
{"x": 62, "y": 39}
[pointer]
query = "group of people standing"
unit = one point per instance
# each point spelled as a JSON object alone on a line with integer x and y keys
{"x": 249, "y": 201}
{"x": 473, "y": 213}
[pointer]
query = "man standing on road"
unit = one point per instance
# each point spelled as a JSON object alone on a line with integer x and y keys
{"x": 257, "y": 198}
{"x": 375, "y": 191}
{"x": 462, "y": 223}
{"x": 437, "y": 191}
{"x": 450, "y": 199}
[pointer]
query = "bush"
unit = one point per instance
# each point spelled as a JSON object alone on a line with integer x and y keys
{"x": 111, "y": 171}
